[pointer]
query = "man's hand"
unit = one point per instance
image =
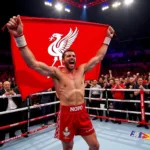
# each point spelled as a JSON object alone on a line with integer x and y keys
{"x": 110, "y": 32}
{"x": 15, "y": 26}
{"x": 110, "y": 71}
{"x": 128, "y": 73}
{"x": 7, "y": 93}
{"x": 11, "y": 92}
{"x": 49, "y": 90}
{"x": 141, "y": 87}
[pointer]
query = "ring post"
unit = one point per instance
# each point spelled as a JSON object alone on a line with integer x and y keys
{"x": 142, "y": 106}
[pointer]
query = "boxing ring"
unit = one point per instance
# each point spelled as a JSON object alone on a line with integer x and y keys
{"x": 110, "y": 136}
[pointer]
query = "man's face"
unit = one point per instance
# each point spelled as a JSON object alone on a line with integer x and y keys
{"x": 140, "y": 81}
{"x": 117, "y": 81}
{"x": 95, "y": 82}
{"x": 69, "y": 60}
{"x": 7, "y": 85}
{"x": 1, "y": 84}
{"x": 121, "y": 79}
{"x": 111, "y": 82}
{"x": 100, "y": 80}
{"x": 131, "y": 80}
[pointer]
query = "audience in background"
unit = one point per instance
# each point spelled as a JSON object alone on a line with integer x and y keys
{"x": 128, "y": 80}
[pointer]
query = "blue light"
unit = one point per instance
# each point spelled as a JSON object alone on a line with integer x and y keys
{"x": 105, "y": 4}
{"x": 68, "y": 7}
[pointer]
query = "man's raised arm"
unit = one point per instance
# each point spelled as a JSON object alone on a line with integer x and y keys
{"x": 101, "y": 52}
{"x": 15, "y": 27}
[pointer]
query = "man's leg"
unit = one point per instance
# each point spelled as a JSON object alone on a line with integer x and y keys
{"x": 67, "y": 145}
{"x": 92, "y": 141}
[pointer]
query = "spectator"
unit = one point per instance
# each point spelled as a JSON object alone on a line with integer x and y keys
{"x": 95, "y": 93}
{"x": 7, "y": 104}
{"x": 141, "y": 86}
{"x": 118, "y": 95}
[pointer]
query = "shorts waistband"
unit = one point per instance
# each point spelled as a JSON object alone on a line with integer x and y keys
{"x": 72, "y": 108}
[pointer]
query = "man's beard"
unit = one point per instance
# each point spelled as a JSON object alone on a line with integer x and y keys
{"x": 68, "y": 66}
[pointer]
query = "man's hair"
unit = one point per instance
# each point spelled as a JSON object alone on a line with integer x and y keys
{"x": 69, "y": 50}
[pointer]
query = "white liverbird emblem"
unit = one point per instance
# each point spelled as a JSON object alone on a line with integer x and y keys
{"x": 60, "y": 45}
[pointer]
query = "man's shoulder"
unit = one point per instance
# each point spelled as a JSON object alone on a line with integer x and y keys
{"x": 98, "y": 86}
{"x": 145, "y": 86}
{"x": 2, "y": 91}
{"x": 82, "y": 66}
{"x": 122, "y": 85}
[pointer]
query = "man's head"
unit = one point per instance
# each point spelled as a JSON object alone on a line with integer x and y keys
{"x": 117, "y": 81}
{"x": 100, "y": 80}
{"x": 121, "y": 80}
{"x": 94, "y": 82}
{"x": 131, "y": 80}
{"x": 69, "y": 59}
{"x": 111, "y": 81}
{"x": 7, "y": 85}
{"x": 140, "y": 81}
{"x": 1, "y": 85}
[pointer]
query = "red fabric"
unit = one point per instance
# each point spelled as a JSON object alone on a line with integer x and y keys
{"x": 38, "y": 32}
{"x": 144, "y": 81}
{"x": 118, "y": 94}
{"x": 71, "y": 121}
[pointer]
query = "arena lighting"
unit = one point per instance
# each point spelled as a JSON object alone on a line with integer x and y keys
{"x": 84, "y": 6}
{"x": 105, "y": 8}
{"x": 59, "y": 6}
{"x": 48, "y": 3}
{"x": 128, "y": 2}
{"x": 67, "y": 9}
{"x": 116, "y": 4}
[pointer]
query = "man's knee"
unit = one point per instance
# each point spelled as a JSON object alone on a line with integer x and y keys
{"x": 68, "y": 146}
{"x": 95, "y": 146}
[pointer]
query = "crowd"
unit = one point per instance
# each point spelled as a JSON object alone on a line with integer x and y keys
{"x": 108, "y": 81}
{"x": 130, "y": 81}
{"x": 8, "y": 88}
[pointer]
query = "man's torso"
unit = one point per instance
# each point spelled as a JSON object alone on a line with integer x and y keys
{"x": 70, "y": 87}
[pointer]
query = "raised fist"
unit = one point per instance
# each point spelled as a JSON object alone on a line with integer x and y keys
{"x": 15, "y": 26}
{"x": 110, "y": 32}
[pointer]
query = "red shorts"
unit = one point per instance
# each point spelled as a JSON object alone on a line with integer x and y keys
{"x": 71, "y": 121}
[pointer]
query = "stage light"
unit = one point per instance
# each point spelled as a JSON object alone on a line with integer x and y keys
{"x": 67, "y": 8}
{"x": 59, "y": 6}
{"x": 105, "y": 8}
{"x": 84, "y": 6}
{"x": 48, "y": 3}
{"x": 128, "y": 2}
{"x": 116, "y": 4}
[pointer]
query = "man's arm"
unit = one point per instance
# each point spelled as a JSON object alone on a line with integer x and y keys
{"x": 136, "y": 92}
{"x": 38, "y": 66}
{"x": 101, "y": 52}
{"x": 15, "y": 27}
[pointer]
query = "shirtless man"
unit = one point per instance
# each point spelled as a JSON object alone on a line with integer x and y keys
{"x": 69, "y": 84}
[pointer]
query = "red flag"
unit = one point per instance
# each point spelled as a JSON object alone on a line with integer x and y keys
{"x": 44, "y": 37}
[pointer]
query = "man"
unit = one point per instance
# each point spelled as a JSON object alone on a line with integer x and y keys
{"x": 120, "y": 96}
{"x": 69, "y": 85}
{"x": 96, "y": 93}
{"x": 7, "y": 104}
{"x": 1, "y": 86}
{"x": 141, "y": 86}
{"x": 109, "y": 96}
{"x": 129, "y": 95}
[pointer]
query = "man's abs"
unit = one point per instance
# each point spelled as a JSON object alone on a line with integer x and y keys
{"x": 71, "y": 97}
